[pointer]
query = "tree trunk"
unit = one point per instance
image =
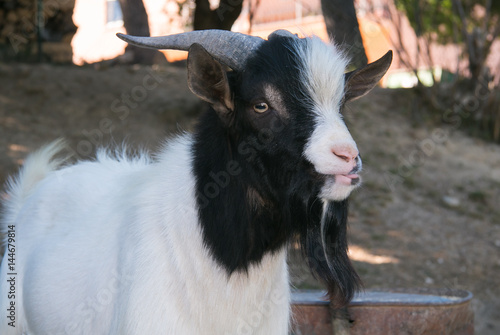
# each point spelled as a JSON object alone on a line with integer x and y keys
{"x": 135, "y": 21}
{"x": 222, "y": 17}
{"x": 342, "y": 27}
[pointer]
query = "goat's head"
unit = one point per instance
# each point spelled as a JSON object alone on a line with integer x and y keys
{"x": 297, "y": 82}
{"x": 280, "y": 101}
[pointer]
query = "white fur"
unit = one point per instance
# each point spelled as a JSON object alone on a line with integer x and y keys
{"x": 36, "y": 167}
{"x": 323, "y": 75}
{"x": 114, "y": 247}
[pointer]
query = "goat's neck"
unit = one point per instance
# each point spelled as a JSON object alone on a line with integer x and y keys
{"x": 242, "y": 215}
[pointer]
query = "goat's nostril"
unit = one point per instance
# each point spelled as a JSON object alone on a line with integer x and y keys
{"x": 343, "y": 157}
{"x": 348, "y": 155}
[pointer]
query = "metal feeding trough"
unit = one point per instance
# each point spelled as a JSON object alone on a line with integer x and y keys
{"x": 385, "y": 312}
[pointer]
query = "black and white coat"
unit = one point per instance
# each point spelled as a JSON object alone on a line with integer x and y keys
{"x": 195, "y": 240}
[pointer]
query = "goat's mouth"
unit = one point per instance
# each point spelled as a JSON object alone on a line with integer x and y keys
{"x": 339, "y": 186}
{"x": 336, "y": 185}
{"x": 347, "y": 179}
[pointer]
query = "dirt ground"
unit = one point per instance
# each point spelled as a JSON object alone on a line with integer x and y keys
{"x": 428, "y": 213}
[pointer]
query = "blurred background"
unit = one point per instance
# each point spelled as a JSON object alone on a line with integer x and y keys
{"x": 428, "y": 214}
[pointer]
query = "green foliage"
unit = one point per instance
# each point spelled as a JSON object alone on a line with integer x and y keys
{"x": 439, "y": 18}
{"x": 495, "y": 6}
{"x": 430, "y": 16}
{"x": 473, "y": 25}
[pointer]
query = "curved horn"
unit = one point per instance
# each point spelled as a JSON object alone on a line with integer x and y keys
{"x": 228, "y": 47}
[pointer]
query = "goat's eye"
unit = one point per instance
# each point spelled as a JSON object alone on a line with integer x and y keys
{"x": 261, "y": 108}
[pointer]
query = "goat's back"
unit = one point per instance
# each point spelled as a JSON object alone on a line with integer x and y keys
{"x": 114, "y": 247}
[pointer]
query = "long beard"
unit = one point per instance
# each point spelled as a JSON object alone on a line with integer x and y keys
{"x": 325, "y": 248}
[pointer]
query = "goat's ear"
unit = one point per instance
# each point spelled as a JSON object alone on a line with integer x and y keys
{"x": 208, "y": 80}
{"x": 361, "y": 81}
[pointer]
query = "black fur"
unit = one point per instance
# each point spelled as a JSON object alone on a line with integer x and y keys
{"x": 255, "y": 190}
{"x": 339, "y": 276}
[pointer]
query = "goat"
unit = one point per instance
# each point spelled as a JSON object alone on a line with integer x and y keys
{"x": 194, "y": 241}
